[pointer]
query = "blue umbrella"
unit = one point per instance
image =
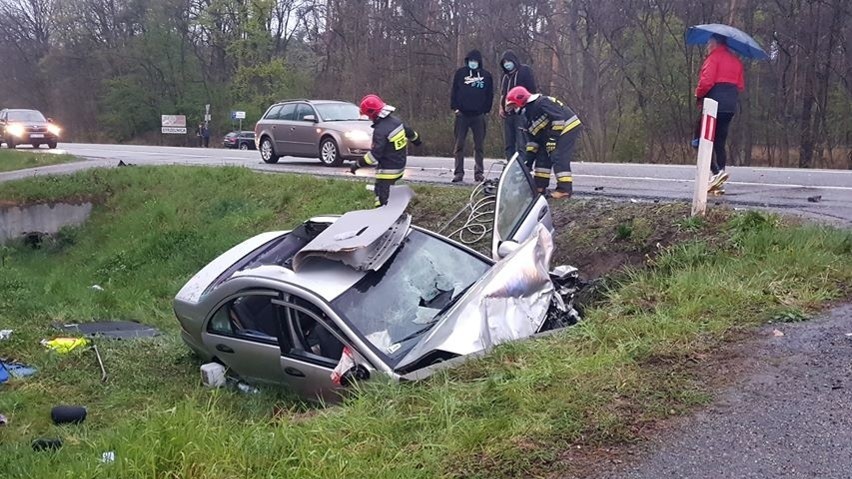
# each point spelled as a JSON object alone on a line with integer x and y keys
{"x": 738, "y": 40}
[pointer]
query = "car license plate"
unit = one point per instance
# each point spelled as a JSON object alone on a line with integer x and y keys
{"x": 37, "y": 135}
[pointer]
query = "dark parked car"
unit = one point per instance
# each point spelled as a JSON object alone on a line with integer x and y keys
{"x": 19, "y": 127}
{"x": 332, "y": 131}
{"x": 242, "y": 140}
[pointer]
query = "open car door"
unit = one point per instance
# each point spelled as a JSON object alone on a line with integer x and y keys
{"x": 519, "y": 208}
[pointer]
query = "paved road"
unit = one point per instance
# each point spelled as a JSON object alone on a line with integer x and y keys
{"x": 772, "y": 188}
{"x": 789, "y": 418}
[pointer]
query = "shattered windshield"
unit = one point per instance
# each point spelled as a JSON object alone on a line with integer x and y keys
{"x": 395, "y": 306}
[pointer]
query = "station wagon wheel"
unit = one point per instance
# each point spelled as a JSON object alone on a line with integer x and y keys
{"x": 267, "y": 151}
{"x": 330, "y": 153}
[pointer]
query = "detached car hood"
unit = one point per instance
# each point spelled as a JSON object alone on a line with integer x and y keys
{"x": 510, "y": 302}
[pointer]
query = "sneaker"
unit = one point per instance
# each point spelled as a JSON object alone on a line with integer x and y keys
{"x": 714, "y": 181}
{"x": 695, "y": 142}
{"x": 723, "y": 177}
{"x": 458, "y": 179}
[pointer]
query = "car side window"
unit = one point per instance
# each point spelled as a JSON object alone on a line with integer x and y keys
{"x": 253, "y": 317}
{"x": 308, "y": 337}
{"x": 516, "y": 197}
{"x": 273, "y": 113}
{"x": 304, "y": 110}
{"x": 288, "y": 112}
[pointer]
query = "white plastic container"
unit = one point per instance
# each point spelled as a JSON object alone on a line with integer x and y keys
{"x": 213, "y": 375}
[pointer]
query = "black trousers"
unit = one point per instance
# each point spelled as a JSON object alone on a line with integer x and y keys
{"x": 720, "y": 154}
{"x": 476, "y": 124}
{"x": 513, "y": 136}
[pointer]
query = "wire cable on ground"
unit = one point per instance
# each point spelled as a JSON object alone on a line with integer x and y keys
{"x": 480, "y": 210}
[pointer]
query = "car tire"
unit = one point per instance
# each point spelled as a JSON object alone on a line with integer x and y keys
{"x": 329, "y": 152}
{"x": 35, "y": 145}
{"x": 244, "y": 146}
{"x": 10, "y": 144}
{"x": 51, "y": 145}
{"x": 267, "y": 151}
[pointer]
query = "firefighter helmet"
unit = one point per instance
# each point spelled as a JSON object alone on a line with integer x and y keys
{"x": 517, "y": 97}
{"x": 371, "y": 106}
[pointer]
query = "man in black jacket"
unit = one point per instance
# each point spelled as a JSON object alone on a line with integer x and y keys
{"x": 471, "y": 99}
{"x": 389, "y": 149}
{"x": 514, "y": 74}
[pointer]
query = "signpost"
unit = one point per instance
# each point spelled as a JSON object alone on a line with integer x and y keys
{"x": 705, "y": 155}
{"x": 173, "y": 124}
{"x": 238, "y": 115}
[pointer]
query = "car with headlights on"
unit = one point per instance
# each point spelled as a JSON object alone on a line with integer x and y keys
{"x": 340, "y": 299}
{"x": 332, "y": 131}
{"x": 27, "y": 127}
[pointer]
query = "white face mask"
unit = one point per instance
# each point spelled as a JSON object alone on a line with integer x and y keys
{"x": 509, "y": 66}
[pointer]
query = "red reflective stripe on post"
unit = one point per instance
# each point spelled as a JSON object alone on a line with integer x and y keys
{"x": 709, "y": 127}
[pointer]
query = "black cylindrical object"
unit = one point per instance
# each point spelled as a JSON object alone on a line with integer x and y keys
{"x": 68, "y": 414}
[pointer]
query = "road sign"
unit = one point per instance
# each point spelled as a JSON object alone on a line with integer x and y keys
{"x": 177, "y": 121}
{"x": 238, "y": 115}
{"x": 172, "y": 130}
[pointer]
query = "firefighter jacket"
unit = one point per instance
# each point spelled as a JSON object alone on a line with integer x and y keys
{"x": 547, "y": 120}
{"x": 390, "y": 144}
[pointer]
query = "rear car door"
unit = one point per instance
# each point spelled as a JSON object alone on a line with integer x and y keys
{"x": 284, "y": 130}
{"x": 519, "y": 207}
{"x": 244, "y": 333}
{"x": 305, "y": 137}
{"x": 311, "y": 347}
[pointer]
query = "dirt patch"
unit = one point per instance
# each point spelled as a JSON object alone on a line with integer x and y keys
{"x": 601, "y": 236}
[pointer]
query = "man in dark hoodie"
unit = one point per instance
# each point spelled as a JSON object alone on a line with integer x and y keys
{"x": 471, "y": 99}
{"x": 514, "y": 74}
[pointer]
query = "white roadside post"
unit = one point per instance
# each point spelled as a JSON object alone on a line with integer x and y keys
{"x": 705, "y": 155}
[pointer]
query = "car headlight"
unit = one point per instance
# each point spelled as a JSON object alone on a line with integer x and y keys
{"x": 357, "y": 135}
{"x": 15, "y": 130}
{"x": 54, "y": 129}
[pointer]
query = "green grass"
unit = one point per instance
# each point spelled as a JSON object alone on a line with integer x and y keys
{"x": 510, "y": 414}
{"x": 19, "y": 160}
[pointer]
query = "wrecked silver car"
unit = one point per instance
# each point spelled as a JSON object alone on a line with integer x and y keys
{"x": 366, "y": 293}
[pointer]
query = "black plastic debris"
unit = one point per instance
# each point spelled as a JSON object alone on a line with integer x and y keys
{"x": 815, "y": 199}
{"x": 112, "y": 329}
{"x": 45, "y": 444}
{"x": 68, "y": 414}
{"x": 599, "y": 188}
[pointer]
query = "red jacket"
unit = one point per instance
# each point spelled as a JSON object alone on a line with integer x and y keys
{"x": 720, "y": 66}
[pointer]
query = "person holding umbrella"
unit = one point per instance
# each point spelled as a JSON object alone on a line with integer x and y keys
{"x": 722, "y": 79}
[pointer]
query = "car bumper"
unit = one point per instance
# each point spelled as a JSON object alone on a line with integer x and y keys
{"x": 35, "y": 137}
{"x": 354, "y": 149}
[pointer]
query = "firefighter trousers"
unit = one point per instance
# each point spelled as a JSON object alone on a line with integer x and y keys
{"x": 385, "y": 178}
{"x": 559, "y": 161}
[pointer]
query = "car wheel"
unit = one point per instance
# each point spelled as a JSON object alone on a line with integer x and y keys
{"x": 267, "y": 151}
{"x": 10, "y": 144}
{"x": 330, "y": 153}
{"x": 51, "y": 145}
{"x": 244, "y": 146}
{"x": 35, "y": 145}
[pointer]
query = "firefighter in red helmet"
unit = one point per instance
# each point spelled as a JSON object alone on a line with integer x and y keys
{"x": 390, "y": 144}
{"x": 553, "y": 130}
